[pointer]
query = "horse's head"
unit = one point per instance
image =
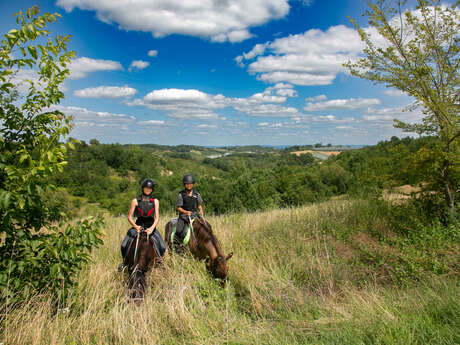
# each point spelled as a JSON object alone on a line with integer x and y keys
{"x": 219, "y": 267}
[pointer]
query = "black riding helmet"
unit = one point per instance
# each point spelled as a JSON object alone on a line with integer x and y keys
{"x": 149, "y": 183}
{"x": 188, "y": 179}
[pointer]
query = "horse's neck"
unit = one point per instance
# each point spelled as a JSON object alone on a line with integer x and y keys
{"x": 212, "y": 247}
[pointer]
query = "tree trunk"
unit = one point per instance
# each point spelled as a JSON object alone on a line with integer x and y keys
{"x": 450, "y": 199}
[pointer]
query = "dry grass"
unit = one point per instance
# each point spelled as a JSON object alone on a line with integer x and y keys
{"x": 286, "y": 287}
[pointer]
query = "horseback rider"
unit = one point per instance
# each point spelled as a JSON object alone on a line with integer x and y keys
{"x": 189, "y": 202}
{"x": 146, "y": 209}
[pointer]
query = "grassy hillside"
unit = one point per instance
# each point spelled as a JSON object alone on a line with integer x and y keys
{"x": 332, "y": 273}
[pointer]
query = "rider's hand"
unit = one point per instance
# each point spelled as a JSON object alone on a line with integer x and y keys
{"x": 138, "y": 228}
{"x": 189, "y": 213}
{"x": 149, "y": 231}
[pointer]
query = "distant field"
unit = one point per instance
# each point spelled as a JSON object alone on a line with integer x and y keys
{"x": 323, "y": 155}
{"x": 326, "y": 153}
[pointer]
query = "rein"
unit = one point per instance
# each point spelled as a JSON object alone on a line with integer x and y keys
{"x": 191, "y": 226}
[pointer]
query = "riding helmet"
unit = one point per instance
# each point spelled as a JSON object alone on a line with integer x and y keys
{"x": 149, "y": 183}
{"x": 188, "y": 179}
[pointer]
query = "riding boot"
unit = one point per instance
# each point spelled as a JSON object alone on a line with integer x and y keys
{"x": 181, "y": 232}
{"x": 181, "y": 228}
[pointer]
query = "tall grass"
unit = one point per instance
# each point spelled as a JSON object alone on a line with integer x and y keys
{"x": 322, "y": 274}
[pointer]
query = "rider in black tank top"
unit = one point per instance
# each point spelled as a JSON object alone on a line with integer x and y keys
{"x": 145, "y": 208}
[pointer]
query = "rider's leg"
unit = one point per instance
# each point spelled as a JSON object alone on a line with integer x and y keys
{"x": 158, "y": 243}
{"x": 125, "y": 245}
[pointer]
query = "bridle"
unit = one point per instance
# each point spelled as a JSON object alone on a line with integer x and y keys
{"x": 136, "y": 252}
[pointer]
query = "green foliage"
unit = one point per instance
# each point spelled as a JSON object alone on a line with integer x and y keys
{"x": 35, "y": 255}
{"x": 396, "y": 243}
{"x": 47, "y": 260}
{"x": 421, "y": 57}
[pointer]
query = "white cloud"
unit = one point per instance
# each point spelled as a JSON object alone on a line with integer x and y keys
{"x": 389, "y": 114}
{"x": 218, "y": 21}
{"x": 151, "y": 123}
{"x": 195, "y": 104}
{"x": 152, "y": 53}
{"x": 342, "y": 104}
{"x": 270, "y": 125}
{"x": 81, "y": 67}
{"x": 316, "y": 98}
{"x": 312, "y": 58}
{"x": 264, "y": 110}
{"x": 106, "y": 92}
{"x": 138, "y": 64}
{"x": 174, "y": 95}
{"x": 332, "y": 119}
{"x": 204, "y": 125}
{"x": 394, "y": 93}
{"x": 83, "y": 117}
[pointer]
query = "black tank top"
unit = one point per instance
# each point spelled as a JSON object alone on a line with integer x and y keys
{"x": 145, "y": 212}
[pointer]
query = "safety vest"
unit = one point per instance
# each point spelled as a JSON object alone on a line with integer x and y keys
{"x": 145, "y": 211}
{"x": 190, "y": 202}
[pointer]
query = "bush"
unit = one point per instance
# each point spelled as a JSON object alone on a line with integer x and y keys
{"x": 35, "y": 254}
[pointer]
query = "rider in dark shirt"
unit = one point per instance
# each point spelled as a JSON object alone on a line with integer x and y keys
{"x": 189, "y": 201}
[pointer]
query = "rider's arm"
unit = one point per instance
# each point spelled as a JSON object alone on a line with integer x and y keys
{"x": 157, "y": 216}
{"x": 131, "y": 213}
{"x": 200, "y": 203}
{"x": 181, "y": 210}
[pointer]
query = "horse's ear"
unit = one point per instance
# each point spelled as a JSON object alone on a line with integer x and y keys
{"x": 229, "y": 256}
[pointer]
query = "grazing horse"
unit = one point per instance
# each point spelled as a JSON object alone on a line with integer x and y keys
{"x": 140, "y": 257}
{"x": 204, "y": 245}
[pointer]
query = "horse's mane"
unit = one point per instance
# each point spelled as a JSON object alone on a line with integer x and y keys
{"x": 208, "y": 235}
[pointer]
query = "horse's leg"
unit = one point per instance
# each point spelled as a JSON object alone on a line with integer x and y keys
{"x": 168, "y": 231}
{"x": 139, "y": 288}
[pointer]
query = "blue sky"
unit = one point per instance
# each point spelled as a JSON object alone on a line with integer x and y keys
{"x": 218, "y": 72}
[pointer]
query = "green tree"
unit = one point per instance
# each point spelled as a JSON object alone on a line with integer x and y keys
{"x": 35, "y": 254}
{"x": 420, "y": 56}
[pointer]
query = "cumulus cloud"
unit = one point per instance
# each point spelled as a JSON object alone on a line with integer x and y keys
{"x": 81, "y": 67}
{"x": 331, "y": 119}
{"x": 204, "y": 125}
{"x": 152, "y": 53}
{"x": 83, "y": 117}
{"x": 342, "y": 104}
{"x": 394, "y": 93}
{"x": 195, "y": 104}
{"x": 111, "y": 92}
{"x": 138, "y": 64}
{"x": 312, "y": 58}
{"x": 219, "y": 21}
{"x": 151, "y": 123}
{"x": 389, "y": 114}
{"x": 316, "y": 98}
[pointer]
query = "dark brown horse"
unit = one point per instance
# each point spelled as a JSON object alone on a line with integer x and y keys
{"x": 203, "y": 245}
{"x": 140, "y": 258}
